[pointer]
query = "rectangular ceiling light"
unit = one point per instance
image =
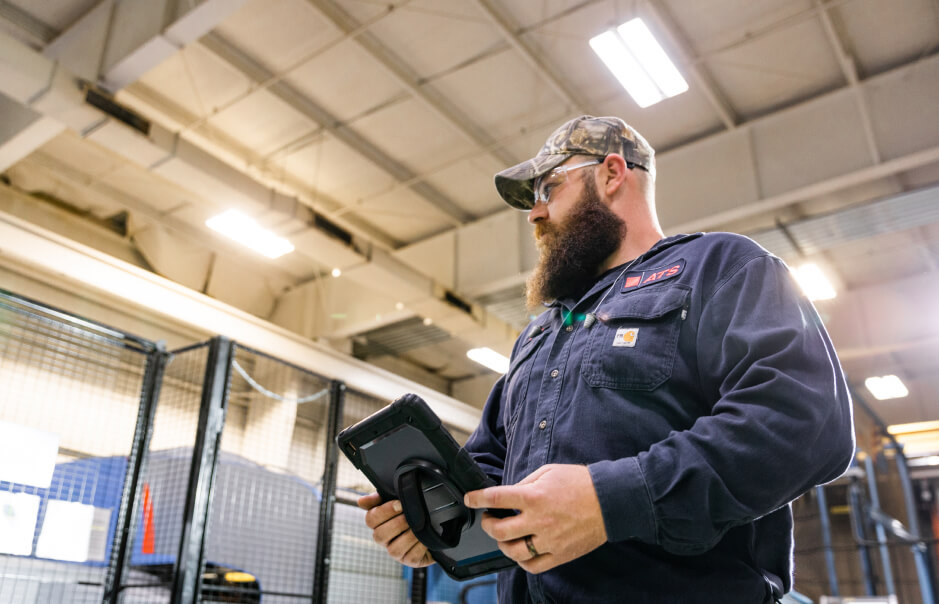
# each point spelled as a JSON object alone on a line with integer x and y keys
{"x": 240, "y": 227}
{"x": 640, "y": 64}
{"x": 814, "y": 282}
{"x": 886, "y": 387}
{"x": 489, "y": 358}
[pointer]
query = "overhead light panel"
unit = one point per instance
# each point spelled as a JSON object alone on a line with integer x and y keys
{"x": 814, "y": 282}
{"x": 240, "y": 227}
{"x": 640, "y": 64}
{"x": 489, "y": 358}
{"x": 886, "y": 387}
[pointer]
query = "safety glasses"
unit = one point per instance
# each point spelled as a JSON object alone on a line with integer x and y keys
{"x": 546, "y": 184}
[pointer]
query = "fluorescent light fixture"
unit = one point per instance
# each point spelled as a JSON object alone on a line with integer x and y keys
{"x": 814, "y": 282}
{"x": 886, "y": 387}
{"x": 66, "y": 531}
{"x": 18, "y": 522}
{"x": 489, "y": 358}
{"x": 911, "y": 428}
{"x": 240, "y": 227}
{"x": 640, "y": 64}
{"x": 27, "y": 455}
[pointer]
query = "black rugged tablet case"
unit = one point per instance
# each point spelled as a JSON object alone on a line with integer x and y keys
{"x": 407, "y": 453}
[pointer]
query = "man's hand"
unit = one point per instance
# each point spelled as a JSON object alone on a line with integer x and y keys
{"x": 390, "y": 529}
{"x": 559, "y": 513}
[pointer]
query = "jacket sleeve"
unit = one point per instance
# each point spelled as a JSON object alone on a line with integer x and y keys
{"x": 487, "y": 443}
{"x": 781, "y": 421}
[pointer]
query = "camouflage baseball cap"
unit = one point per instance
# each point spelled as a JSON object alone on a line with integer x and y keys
{"x": 585, "y": 135}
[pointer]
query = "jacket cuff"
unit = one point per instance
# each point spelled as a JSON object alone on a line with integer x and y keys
{"x": 624, "y": 500}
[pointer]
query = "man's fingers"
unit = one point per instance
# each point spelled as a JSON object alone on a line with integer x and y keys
{"x": 386, "y": 532}
{"x": 535, "y": 475}
{"x": 367, "y": 502}
{"x": 380, "y": 514}
{"x": 506, "y": 497}
{"x": 540, "y": 564}
{"x": 401, "y": 545}
{"x": 506, "y": 529}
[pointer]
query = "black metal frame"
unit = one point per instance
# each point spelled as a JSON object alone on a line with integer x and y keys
{"x": 187, "y": 579}
{"x": 337, "y": 398}
{"x": 136, "y": 464}
{"x": 187, "y": 582}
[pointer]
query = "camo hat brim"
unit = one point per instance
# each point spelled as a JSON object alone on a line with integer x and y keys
{"x": 585, "y": 135}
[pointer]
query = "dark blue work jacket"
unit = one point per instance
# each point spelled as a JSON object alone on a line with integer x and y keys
{"x": 704, "y": 400}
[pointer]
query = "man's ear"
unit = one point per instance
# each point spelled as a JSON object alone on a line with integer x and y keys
{"x": 614, "y": 174}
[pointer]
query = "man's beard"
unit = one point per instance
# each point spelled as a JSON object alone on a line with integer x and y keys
{"x": 573, "y": 252}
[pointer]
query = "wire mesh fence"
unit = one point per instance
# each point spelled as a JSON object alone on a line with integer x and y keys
{"x": 71, "y": 393}
{"x": 264, "y": 516}
{"x": 209, "y": 474}
{"x": 159, "y": 516}
{"x": 360, "y": 569}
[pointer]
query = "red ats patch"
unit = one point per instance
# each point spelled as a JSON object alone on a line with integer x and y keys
{"x": 635, "y": 279}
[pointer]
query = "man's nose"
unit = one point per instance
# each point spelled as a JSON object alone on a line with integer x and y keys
{"x": 539, "y": 212}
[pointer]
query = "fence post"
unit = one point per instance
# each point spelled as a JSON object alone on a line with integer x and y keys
{"x": 826, "y": 539}
{"x": 130, "y": 497}
{"x": 337, "y": 395}
{"x": 187, "y": 583}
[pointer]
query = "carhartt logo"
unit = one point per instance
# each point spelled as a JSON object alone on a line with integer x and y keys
{"x": 626, "y": 336}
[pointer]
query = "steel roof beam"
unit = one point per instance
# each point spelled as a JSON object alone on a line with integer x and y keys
{"x": 405, "y": 75}
{"x": 508, "y": 30}
{"x": 849, "y": 69}
{"x": 699, "y": 73}
{"x": 255, "y": 72}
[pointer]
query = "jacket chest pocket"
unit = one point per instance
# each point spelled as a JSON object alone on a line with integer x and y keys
{"x": 634, "y": 346}
{"x": 518, "y": 379}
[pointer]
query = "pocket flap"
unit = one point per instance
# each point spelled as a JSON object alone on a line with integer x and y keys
{"x": 649, "y": 303}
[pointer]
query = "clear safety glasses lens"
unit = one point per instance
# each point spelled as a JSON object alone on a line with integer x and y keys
{"x": 556, "y": 177}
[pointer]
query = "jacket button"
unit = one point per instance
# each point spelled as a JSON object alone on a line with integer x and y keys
{"x": 543, "y": 424}
{"x": 569, "y": 328}
{"x": 555, "y": 373}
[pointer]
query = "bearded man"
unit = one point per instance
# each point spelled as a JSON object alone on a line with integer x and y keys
{"x": 660, "y": 416}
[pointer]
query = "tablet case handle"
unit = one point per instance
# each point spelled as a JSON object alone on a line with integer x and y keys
{"x": 432, "y": 504}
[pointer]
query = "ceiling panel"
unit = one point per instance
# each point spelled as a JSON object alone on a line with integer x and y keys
{"x": 456, "y": 31}
{"x": 196, "y": 80}
{"x": 413, "y": 135}
{"x": 900, "y": 100}
{"x": 493, "y": 89}
{"x": 470, "y": 179}
{"x": 262, "y": 122}
{"x": 346, "y": 81}
{"x": 278, "y": 33}
{"x": 720, "y": 24}
{"x": 880, "y": 35}
{"x": 405, "y": 213}
{"x": 789, "y": 64}
{"x": 58, "y": 15}
{"x": 332, "y": 167}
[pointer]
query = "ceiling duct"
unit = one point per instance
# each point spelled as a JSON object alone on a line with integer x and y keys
{"x": 398, "y": 338}
{"x": 453, "y": 300}
{"x": 509, "y": 305}
{"x": 819, "y": 233}
{"x": 123, "y": 114}
{"x": 331, "y": 228}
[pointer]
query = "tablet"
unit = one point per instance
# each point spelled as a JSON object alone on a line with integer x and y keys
{"x": 407, "y": 454}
